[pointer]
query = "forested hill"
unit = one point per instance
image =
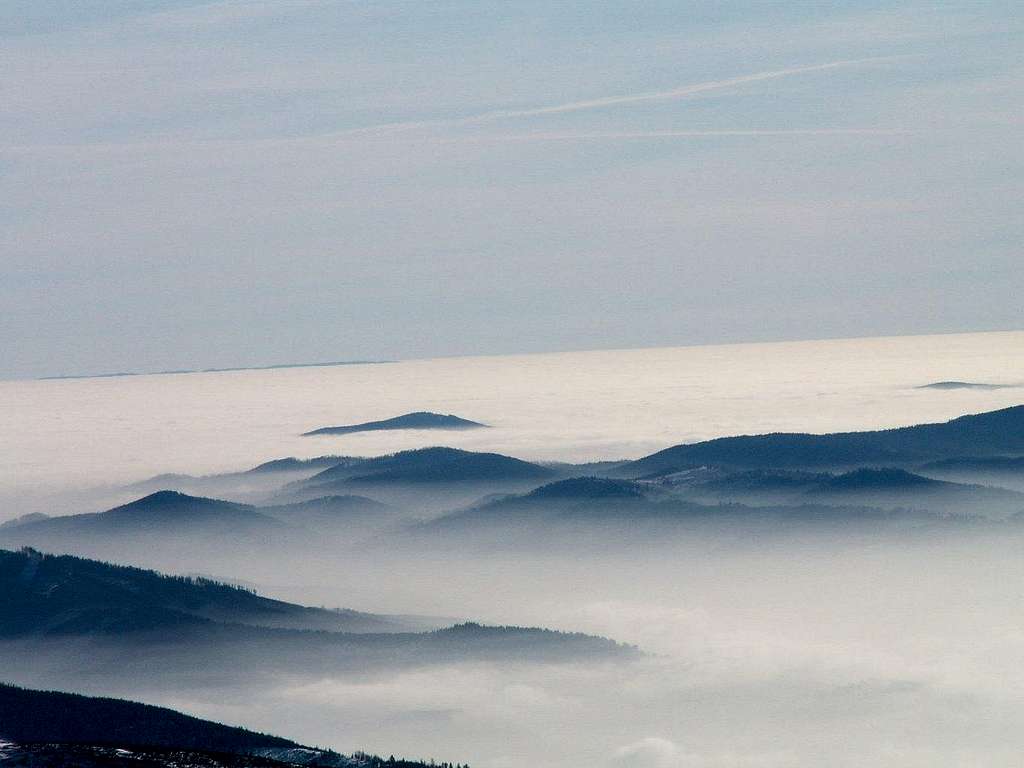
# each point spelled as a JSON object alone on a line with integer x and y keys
{"x": 57, "y": 594}
{"x": 28, "y": 716}
{"x": 50, "y": 729}
{"x": 995, "y": 433}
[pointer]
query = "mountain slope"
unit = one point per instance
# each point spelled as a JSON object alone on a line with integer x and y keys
{"x": 986, "y": 434}
{"x": 60, "y": 595}
{"x": 50, "y": 728}
{"x": 65, "y": 620}
{"x": 435, "y": 466}
{"x": 47, "y": 716}
{"x": 884, "y": 488}
{"x": 162, "y": 511}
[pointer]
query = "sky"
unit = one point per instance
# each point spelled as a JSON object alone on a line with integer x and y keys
{"x": 191, "y": 184}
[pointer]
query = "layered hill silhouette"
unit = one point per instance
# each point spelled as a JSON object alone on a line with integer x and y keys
{"x": 65, "y": 618}
{"x": 437, "y": 466}
{"x": 417, "y": 420}
{"x": 602, "y": 513}
{"x": 876, "y": 487}
{"x": 52, "y": 728}
{"x": 995, "y": 433}
{"x": 263, "y": 476}
{"x": 1006, "y": 471}
{"x": 170, "y": 521}
{"x": 31, "y": 517}
{"x": 64, "y": 595}
{"x": 29, "y": 716}
{"x": 161, "y": 511}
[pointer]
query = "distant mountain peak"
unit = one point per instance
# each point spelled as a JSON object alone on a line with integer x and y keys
{"x": 31, "y": 517}
{"x": 435, "y": 464}
{"x": 171, "y": 501}
{"x": 963, "y": 385}
{"x": 414, "y": 420}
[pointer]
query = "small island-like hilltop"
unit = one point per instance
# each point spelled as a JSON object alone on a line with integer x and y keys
{"x": 417, "y": 420}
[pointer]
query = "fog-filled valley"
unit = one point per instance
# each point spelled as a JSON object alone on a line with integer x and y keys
{"x": 841, "y": 594}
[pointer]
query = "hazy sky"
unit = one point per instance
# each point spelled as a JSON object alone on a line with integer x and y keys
{"x": 188, "y": 184}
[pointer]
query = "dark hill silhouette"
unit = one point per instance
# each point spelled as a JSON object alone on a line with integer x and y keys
{"x": 434, "y": 465}
{"x": 224, "y": 483}
{"x": 993, "y": 464}
{"x": 533, "y": 523}
{"x": 292, "y": 464}
{"x": 168, "y": 512}
{"x": 31, "y": 517}
{"x": 962, "y": 385}
{"x": 887, "y": 478}
{"x": 66, "y": 619}
{"x": 993, "y": 433}
{"x": 764, "y": 481}
{"x": 28, "y": 716}
{"x": 883, "y": 488}
{"x": 50, "y": 594}
{"x": 582, "y": 488}
{"x": 888, "y": 487}
{"x": 56, "y": 729}
{"x": 417, "y": 420}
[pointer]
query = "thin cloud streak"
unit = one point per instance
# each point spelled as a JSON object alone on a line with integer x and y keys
{"x": 640, "y": 135}
{"x": 614, "y": 101}
{"x": 387, "y": 129}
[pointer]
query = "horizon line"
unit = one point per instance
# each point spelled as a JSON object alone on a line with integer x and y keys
{"x": 388, "y": 361}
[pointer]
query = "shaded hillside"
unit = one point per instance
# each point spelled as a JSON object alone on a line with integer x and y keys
{"x": 64, "y": 619}
{"x": 48, "y": 594}
{"x": 260, "y": 479}
{"x": 599, "y": 514}
{"x": 28, "y": 716}
{"x": 1013, "y": 465}
{"x": 759, "y": 481}
{"x": 584, "y": 488}
{"x": 31, "y": 517}
{"x": 884, "y": 479}
{"x": 417, "y": 420}
{"x": 292, "y": 464}
{"x": 994, "y": 433}
{"x": 55, "y": 755}
{"x": 876, "y": 487}
{"x": 435, "y": 466}
{"x": 40, "y": 729}
{"x": 175, "y": 531}
{"x": 162, "y": 511}
{"x": 896, "y": 487}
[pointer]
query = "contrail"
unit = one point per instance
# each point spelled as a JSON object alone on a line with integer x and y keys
{"x": 612, "y": 101}
{"x": 671, "y": 134}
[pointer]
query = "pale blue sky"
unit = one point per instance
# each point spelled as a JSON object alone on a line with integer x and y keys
{"x": 190, "y": 184}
